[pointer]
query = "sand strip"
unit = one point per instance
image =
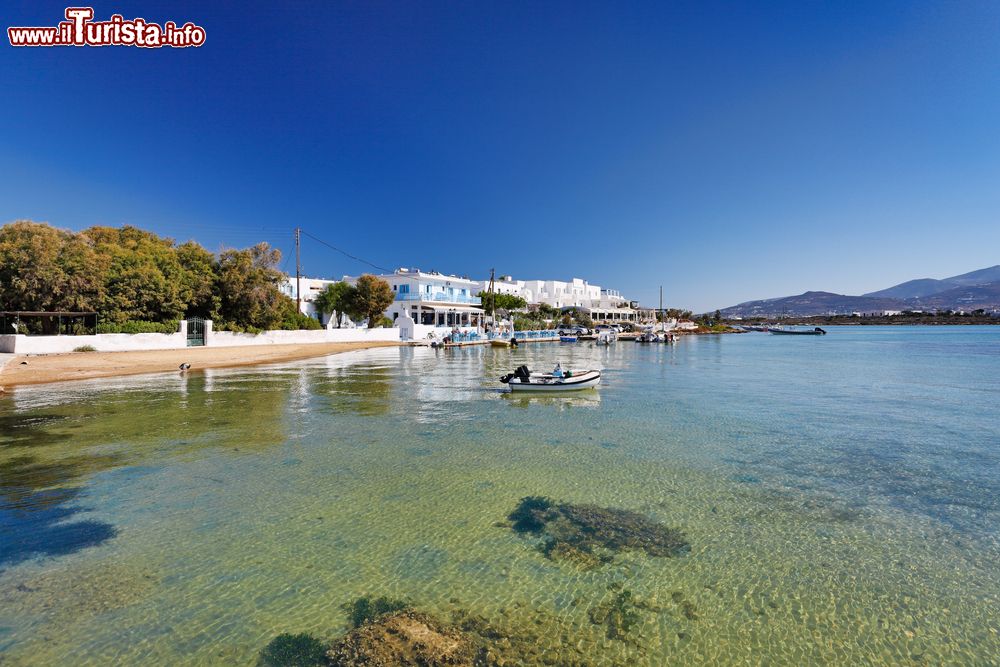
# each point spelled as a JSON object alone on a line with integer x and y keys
{"x": 87, "y": 365}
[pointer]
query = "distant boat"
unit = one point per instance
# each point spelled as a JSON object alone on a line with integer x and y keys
{"x": 606, "y": 338}
{"x": 500, "y": 342}
{"x": 798, "y": 332}
{"x": 568, "y": 339}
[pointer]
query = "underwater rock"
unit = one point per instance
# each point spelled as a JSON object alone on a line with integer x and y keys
{"x": 405, "y": 638}
{"x": 619, "y": 615}
{"x": 574, "y": 532}
{"x": 289, "y": 650}
{"x": 366, "y": 609}
{"x": 687, "y": 607}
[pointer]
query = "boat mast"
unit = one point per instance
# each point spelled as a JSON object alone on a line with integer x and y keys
{"x": 659, "y": 315}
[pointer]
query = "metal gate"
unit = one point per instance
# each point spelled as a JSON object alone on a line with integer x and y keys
{"x": 195, "y": 332}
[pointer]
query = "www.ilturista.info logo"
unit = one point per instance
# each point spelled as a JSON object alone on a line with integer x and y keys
{"x": 79, "y": 29}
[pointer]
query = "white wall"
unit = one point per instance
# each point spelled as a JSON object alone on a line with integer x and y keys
{"x": 21, "y": 344}
{"x": 232, "y": 339}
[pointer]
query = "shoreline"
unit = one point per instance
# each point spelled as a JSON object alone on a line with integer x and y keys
{"x": 47, "y": 368}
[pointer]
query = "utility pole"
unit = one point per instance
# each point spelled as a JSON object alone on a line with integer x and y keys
{"x": 493, "y": 300}
{"x": 660, "y": 314}
{"x": 298, "y": 269}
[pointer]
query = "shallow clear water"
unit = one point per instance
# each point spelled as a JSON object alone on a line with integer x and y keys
{"x": 841, "y": 496}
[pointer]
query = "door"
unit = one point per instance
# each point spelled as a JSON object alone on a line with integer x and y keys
{"x": 196, "y": 332}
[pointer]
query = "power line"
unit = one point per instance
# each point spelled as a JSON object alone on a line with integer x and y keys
{"x": 345, "y": 253}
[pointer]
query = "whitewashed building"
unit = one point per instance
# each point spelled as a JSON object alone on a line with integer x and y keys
{"x": 310, "y": 288}
{"x": 433, "y": 299}
{"x": 426, "y": 300}
{"x": 603, "y": 305}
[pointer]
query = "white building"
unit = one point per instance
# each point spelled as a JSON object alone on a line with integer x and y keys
{"x": 433, "y": 299}
{"x": 603, "y": 305}
{"x": 310, "y": 288}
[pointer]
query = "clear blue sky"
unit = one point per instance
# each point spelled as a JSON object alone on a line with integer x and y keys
{"x": 728, "y": 151}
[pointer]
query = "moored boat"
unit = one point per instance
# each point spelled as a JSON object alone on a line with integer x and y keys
{"x": 605, "y": 338}
{"x": 522, "y": 379}
{"x": 568, "y": 339}
{"x": 798, "y": 332}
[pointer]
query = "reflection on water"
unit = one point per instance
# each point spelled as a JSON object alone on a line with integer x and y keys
{"x": 839, "y": 497}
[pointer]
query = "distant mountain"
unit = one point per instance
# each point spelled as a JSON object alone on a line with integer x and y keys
{"x": 964, "y": 298}
{"x": 969, "y": 291}
{"x": 980, "y": 277}
{"x": 914, "y": 289}
{"x": 812, "y": 303}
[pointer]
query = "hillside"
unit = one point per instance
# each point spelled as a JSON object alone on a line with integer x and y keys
{"x": 914, "y": 289}
{"x": 968, "y": 291}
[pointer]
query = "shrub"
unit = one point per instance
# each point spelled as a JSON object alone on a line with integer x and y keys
{"x": 385, "y": 322}
{"x": 528, "y": 324}
{"x": 297, "y": 320}
{"x": 289, "y": 650}
{"x": 85, "y": 348}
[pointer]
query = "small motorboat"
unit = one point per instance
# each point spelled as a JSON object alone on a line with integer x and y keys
{"x": 798, "y": 332}
{"x": 522, "y": 379}
{"x": 647, "y": 337}
{"x": 568, "y": 339}
{"x": 500, "y": 342}
{"x": 605, "y": 338}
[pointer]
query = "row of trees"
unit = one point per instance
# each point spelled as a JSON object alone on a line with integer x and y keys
{"x": 130, "y": 275}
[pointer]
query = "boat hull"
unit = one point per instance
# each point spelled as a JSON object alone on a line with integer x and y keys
{"x": 788, "y": 332}
{"x": 543, "y": 383}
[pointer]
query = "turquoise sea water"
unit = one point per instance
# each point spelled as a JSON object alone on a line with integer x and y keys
{"x": 841, "y": 496}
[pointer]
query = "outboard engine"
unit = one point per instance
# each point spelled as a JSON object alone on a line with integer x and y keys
{"x": 506, "y": 378}
{"x": 522, "y": 372}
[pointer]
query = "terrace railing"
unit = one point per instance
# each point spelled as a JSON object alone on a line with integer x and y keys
{"x": 440, "y": 297}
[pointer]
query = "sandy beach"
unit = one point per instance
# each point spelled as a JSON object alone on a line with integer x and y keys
{"x": 87, "y": 365}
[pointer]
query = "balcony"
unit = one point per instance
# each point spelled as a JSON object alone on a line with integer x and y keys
{"x": 438, "y": 297}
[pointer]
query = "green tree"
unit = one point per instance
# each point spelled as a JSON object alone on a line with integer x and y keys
{"x": 141, "y": 274}
{"x": 505, "y": 302}
{"x": 547, "y": 312}
{"x": 718, "y": 316}
{"x": 372, "y": 296}
{"x": 199, "y": 269}
{"x": 335, "y": 298}
{"x": 30, "y": 273}
{"x": 248, "y": 287}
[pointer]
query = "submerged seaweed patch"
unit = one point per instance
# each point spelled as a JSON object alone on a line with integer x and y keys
{"x": 585, "y": 533}
{"x": 618, "y": 616}
{"x": 289, "y": 650}
{"x": 366, "y": 609}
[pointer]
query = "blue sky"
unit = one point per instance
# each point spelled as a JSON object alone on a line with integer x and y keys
{"x": 728, "y": 151}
